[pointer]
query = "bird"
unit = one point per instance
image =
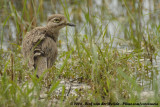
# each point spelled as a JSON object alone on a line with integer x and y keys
{"x": 39, "y": 46}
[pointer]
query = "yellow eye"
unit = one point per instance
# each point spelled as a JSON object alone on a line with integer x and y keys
{"x": 56, "y": 20}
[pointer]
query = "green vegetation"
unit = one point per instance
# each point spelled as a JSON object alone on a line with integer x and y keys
{"x": 117, "y": 66}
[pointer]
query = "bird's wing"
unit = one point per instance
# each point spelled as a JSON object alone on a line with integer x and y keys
{"x": 31, "y": 46}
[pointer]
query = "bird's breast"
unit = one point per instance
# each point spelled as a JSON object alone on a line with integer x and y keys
{"x": 49, "y": 46}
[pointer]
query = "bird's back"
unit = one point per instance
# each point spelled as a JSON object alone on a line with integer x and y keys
{"x": 39, "y": 49}
{"x": 30, "y": 41}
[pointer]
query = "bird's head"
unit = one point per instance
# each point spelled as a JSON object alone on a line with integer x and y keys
{"x": 57, "y": 22}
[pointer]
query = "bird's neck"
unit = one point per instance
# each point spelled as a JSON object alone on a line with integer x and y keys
{"x": 53, "y": 34}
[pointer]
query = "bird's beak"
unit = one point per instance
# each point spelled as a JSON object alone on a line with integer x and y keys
{"x": 70, "y": 24}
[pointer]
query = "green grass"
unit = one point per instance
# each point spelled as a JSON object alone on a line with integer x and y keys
{"x": 92, "y": 56}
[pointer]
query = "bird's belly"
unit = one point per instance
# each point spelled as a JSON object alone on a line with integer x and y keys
{"x": 49, "y": 47}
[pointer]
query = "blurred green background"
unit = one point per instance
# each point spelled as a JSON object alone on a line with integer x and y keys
{"x": 114, "y": 49}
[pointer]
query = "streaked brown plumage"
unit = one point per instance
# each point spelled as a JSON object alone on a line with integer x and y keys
{"x": 39, "y": 45}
